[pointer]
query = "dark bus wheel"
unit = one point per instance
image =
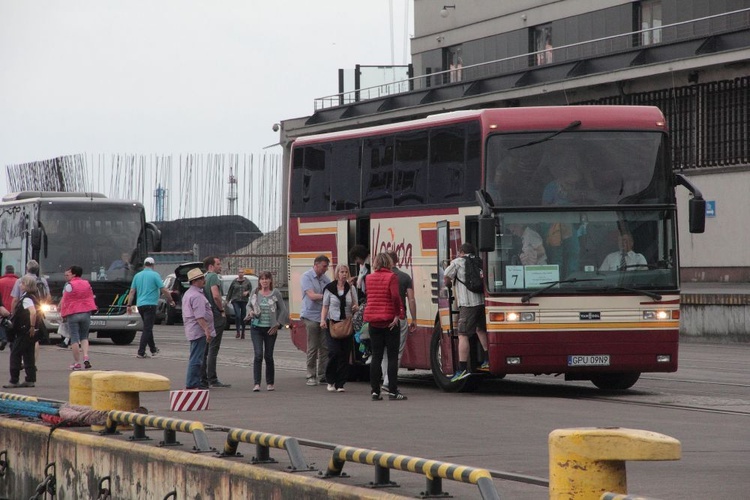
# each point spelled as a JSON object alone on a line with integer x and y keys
{"x": 615, "y": 381}
{"x": 441, "y": 374}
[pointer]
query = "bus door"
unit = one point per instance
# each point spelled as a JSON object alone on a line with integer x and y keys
{"x": 447, "y": 312}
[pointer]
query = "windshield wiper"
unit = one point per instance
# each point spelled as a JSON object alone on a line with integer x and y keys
{"x": 652, "y": 295}
{"x": 570, "y": 127}
{"x": 551, "y": 284}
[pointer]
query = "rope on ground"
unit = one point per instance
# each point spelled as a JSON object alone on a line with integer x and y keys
{"x": 27, "y": 408}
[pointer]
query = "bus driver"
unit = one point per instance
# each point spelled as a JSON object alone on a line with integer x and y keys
{"x": 625, "y": 259}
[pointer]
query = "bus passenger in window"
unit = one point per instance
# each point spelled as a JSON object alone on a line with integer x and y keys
{"x": 532, "y": 246}
{"x": 568, "y": 187}
{"x": 625, "y": 259}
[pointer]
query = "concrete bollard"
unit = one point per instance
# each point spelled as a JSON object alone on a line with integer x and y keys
{"x": 584, "y": 463}
{"x": 121, "y": 390}
{"x": 79, "y": 387}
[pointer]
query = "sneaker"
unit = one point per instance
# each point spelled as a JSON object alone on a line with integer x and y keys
{"x": 340, "y": 389}
{"x": 331, "y": 388}
{"x": 63, "y": 344}
{"x": 237, "y": 335}
{"x": 154, "y": 353}
{"x": 484, "y": 367}
{"x": 256, "y": 388}
{"x": 142, "y": 356}
{"x": 385, "y": 389}
{"x": 397, "y": 396}
{"x": 312, "y": 381}
{"x": 376, "y": 397}
{"x": 76, "y": 366}
{"x": 459, "y": 375}
{"x": 220, "y": 384}
{"x": 11, "y": 385}
{"x": 86, "y": 364}
{"x": 368, "y": 360}
{"x": 26, "y": 384}
{"x": 270, "y": 387}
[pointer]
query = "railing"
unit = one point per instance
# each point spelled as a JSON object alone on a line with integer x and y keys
{"x": 670, "y": 33}
{"x": 139, "y": 421}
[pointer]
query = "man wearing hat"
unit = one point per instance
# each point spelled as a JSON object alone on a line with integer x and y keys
{"x": 146, "y": 286}
{"x": 198, "y": 319}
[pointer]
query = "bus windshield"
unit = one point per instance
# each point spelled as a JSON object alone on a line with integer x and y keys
{"x": 585, "y": 250}
{"x": 578, "y": 168}
{"x": 104, "y": 241}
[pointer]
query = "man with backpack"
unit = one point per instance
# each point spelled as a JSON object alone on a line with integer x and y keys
{"x": 464, "y": 273}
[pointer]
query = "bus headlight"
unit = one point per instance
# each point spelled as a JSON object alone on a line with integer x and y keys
{"x": 521, "y": 317}
{"x": 656, "y": 315}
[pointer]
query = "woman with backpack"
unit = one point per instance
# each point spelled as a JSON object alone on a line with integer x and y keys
{"x": 24, "y": 335}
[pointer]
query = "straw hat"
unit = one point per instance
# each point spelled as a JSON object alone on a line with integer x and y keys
{"x": 194, "y": 274}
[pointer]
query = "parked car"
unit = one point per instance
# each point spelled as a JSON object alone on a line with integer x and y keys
{"x": 226, "y": 282}
{"x": 177, "y": 284}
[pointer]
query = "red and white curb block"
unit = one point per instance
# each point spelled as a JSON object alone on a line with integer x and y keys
{"x": 188, "y": 400}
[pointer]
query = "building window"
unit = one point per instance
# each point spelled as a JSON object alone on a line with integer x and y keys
{"x": 541, "y": 44}
{"x": 648, "y": 19}
{"x": 453, "y": 64}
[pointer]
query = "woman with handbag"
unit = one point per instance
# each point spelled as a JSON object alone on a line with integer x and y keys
{"x": 268, "y": 313}
{"x": 337, "y": 321}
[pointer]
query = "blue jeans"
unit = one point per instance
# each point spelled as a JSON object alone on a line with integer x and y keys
{"x": 78, "y": 326}
{"x": 263, "y": 344}
{"x": 148, "y": 315}
{"x": 208, "y": 370}
{"x": 240, "y": 309}
{"x": 195, "y": 361}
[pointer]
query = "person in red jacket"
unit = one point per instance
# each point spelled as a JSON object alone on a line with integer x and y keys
{"x": 383, "y": 311}
{"x": 76, "y": 306}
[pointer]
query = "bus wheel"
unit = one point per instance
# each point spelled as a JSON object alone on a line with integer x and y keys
{"x": 442, "y": 374}
{"x": 123, "y": 337}
{"x": 615, "y": 381}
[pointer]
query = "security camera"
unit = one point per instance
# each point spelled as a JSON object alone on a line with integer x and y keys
{"x": 276, "y": 127}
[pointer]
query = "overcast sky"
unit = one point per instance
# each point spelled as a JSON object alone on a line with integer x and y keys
{"x": 177, "y": 76}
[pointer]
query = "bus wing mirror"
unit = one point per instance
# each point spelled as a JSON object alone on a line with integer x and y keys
{"x": 153, "y": 238}
{"x": 697, "y": 215}
{"x": 486, "y": 234}
{"x": 36, "y": 238}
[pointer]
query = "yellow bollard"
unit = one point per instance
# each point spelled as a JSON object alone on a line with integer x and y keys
{"x": 79, "y": 387}
{"x": 121, "y": 390}
{"x": 584, "y": 463}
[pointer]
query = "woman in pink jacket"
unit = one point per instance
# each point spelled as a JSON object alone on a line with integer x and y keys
{"x": 76, "y": 306}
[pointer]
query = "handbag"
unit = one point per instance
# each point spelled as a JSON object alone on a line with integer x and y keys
{"x": 341, "y": 329}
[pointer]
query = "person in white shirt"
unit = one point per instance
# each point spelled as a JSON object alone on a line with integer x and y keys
{"x": 625, "y": 259}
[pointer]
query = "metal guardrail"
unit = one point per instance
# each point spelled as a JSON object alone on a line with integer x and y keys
{"x": 668, "y": 33}
{"x": 263, "y": 442}
{"x": 433, "y": 470}
{"x": 139, "y": 421}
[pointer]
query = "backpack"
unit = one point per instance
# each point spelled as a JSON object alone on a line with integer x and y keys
{"x": 42, "y": 292}
{"x": 473, "y": 274}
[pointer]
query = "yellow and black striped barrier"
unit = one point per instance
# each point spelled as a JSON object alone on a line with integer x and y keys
{"x": 263, "y": 442}
{"x": 139, "y": 421}
{"x": 17, "y": 397}
{"x": 621, "y": 496}
{"x": 433, "y": 470}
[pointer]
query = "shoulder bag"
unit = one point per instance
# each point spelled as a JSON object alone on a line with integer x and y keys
{"x": 344, "y": 328}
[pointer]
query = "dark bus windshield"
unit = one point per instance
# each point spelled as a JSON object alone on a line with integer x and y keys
{"x": 578, "y": 168}
{"x": 96, "y": 237}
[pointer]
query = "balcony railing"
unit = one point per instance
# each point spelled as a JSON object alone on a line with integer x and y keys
{"x": 671, "y": 33}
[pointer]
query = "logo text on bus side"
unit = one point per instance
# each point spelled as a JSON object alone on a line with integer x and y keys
{"x": 402, "y": 249}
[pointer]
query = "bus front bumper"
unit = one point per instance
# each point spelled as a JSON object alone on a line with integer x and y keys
{"x": 99, "y": 323}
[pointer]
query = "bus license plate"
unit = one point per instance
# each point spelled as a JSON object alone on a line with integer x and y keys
{"x": 589, "y": 360}
{"x": 98, "y": 322}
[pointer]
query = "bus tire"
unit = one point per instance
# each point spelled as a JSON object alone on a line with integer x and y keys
{"x": 442, "y": 380}
{"x": 615, "y": 381}
{"x": 123, "y": 337}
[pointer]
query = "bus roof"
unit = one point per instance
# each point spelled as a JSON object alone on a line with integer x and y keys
{"x": 519, "y": 119}
{"x": 65, "y": 198}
